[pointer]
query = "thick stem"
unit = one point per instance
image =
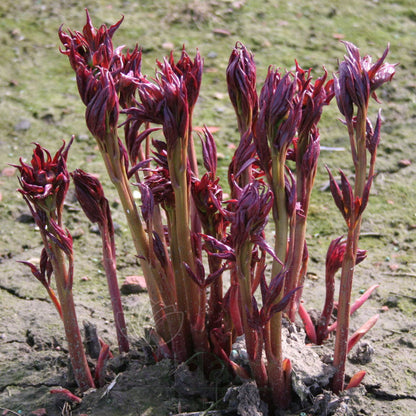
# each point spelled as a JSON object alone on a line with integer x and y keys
{"x": 276, "y": 380}
{"x": 118, "y": 176}
{"x": 169, "y": 323}
{"x": 343, "y": 314}
{"x": 295, "y": 266}
{"x": 304, "y": 183}
{"x": 109, "y": 263}
{"x": 347, "y": 273}
{"x": 281, "y": 220}
{"x": 193, "y": 164}
{"x": 280, "y": 215}
{"x": 73, "y": 336}
{"x": 361, "y": 165}
{"x": 215, "y": 296}
{"x": 177, "y": 160}
{"x": 322, "y": 327}
{"x": 253, "y": 341}
{"x": 176, "y": 261}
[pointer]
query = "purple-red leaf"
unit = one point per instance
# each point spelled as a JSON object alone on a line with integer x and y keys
{"x": 241, "y": 82}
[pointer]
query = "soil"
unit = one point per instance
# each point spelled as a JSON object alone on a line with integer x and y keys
{"x": 39, "y": 102}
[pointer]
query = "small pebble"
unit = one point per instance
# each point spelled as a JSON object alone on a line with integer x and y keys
{"x": 8, "y": 171}
{"x": 133, "y": 284}
{"x": 23, "y": 125}
{"x": 407, "y": 341}
{"x": 392, "y": 301}
{"x": 25, "y": 218}
{"x": 77, "y": 233}
{"x": 95, "y": 229}
{"x": 168, "y": 45}
{"x": 38, "y": 412}
{"x": 221, "y": 32}
{"x": 404, "y": 163}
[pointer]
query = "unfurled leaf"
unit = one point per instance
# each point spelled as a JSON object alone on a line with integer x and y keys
{"x": 356, "y": 379}
{"x": 361, "y": 332}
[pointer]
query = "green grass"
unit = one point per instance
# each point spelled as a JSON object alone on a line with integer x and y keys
{"x": 37, "y": 83}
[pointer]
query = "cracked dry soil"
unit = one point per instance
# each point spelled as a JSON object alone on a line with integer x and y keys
{"x": 33, "y": 360}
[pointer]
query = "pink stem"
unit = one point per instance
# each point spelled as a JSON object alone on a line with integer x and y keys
{"x": 307, "y": 323}
{"x": 73, "y": 336}
{"x": 322, "y": 330}
{"x": 101, "y": 365}
{"x": 341, "y": 340}
{"x": 109, "y": 262}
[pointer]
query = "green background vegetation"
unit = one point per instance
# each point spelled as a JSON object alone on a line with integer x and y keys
{"x": 37, "y": 88}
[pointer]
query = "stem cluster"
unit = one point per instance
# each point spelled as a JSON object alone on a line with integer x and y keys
{"x": 185, "y": 235}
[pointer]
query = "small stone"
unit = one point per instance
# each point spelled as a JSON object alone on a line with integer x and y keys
{"x": 392, "y": 301}
{"x": 168, "y": 45}
{"x": 77, "y": 233}
{"x": 25, "y": 218}
{"x": 211, "y": 70}
{"x": 82, "y": 138}
{"x": 95, "y": 229}
{"x": 221, "y": 32}
{"x": 266, "y": 43}
{"x": 133, "y": 284}
{"x": 8, "y": 171}
{"x": 363, "y": 354}
{"x": 48, "y": 118}
{"x": 16, "y": 33}
{"x": 407, "y": 341}
{"x": 23, "y": 125}
{"x": 245, "y": 400}
{"x": 404, "y": 163}
{"x": 38, "y": 412}
{"x": 119, "y": 363}
{"x": 92, "y": 342}
{"x": 394, "y": 267}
